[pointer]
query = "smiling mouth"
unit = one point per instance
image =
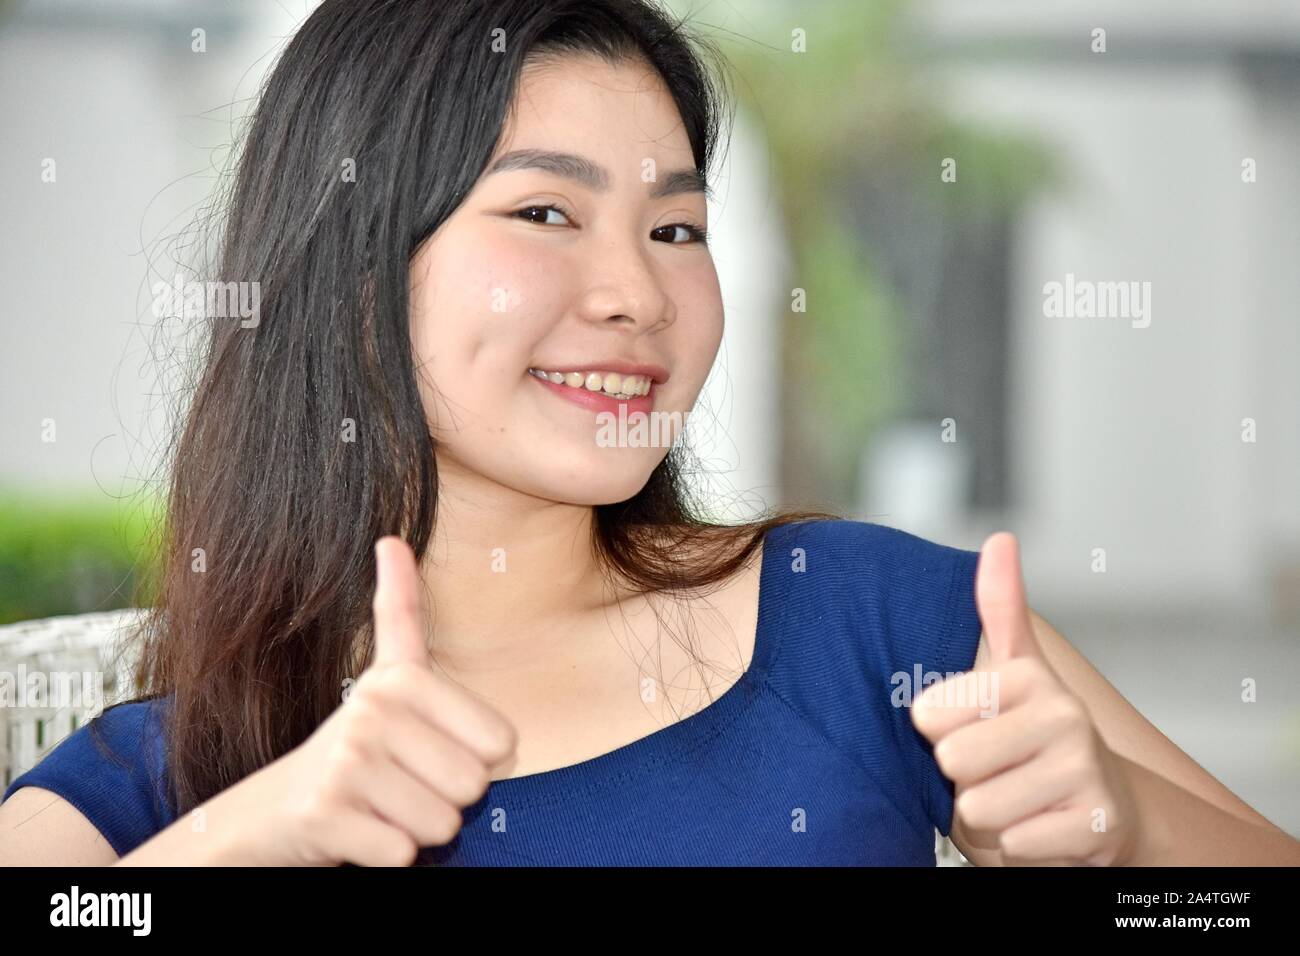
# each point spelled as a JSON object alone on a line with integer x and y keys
{"x": 610, "y": 384}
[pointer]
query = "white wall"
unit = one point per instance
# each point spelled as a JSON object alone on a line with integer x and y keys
{"x": 1129, "y": 438}
{"x": 134, "y": 120}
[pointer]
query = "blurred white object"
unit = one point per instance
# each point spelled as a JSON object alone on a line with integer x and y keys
{"x": 913, "y": 480}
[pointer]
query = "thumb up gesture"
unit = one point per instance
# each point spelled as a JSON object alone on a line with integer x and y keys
{"x": 1032, "y": 775}
{"x": 389, "y": 771}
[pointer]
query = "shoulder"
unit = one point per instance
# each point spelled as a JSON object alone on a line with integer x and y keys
{"x": 849, "y": 542}
{"x": 112, "y": 770}
{"x": 850, "y": 570}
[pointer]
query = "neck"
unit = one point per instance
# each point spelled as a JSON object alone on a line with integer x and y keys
{"x": 505, "y": 572}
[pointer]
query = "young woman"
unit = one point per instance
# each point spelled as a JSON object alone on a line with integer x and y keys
{"x": 414, "y": 611}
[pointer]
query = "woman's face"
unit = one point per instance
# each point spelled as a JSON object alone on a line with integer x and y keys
{"x": 609, "y": 279}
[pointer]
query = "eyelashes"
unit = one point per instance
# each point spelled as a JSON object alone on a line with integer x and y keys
{"x": 697, "y": 233}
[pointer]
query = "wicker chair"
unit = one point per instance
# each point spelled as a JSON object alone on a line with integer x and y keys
{"x": 60, "y": 672}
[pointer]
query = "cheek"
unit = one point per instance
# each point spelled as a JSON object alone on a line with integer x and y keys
{"x": 698, "y": 332}
{"x": 479, "y": 306}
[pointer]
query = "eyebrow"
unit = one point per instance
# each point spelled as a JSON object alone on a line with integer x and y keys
{"x": 594, "y": 176}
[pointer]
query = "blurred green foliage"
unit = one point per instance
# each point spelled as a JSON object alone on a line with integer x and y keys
{"x": 71, "y": 555}
{"x": 855, "y": 114}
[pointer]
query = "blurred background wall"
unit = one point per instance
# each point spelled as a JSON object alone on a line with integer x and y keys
{"x": 903, "y": 181}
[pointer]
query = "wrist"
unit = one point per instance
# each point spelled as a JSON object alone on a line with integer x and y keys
{"x": 1149, "y": 839}
{"x": 229, "y": 827}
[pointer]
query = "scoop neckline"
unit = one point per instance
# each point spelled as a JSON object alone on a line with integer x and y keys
{"x": 659, "y": 746}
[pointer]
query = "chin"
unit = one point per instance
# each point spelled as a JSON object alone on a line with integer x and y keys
{"x": 594, "y": 479}
{"x": 604, "y": 492}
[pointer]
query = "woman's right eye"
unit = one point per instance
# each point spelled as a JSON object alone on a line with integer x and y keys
{"x": 531, "y": 212}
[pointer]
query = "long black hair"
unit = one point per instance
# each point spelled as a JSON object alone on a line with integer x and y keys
{"x": 376, "y": 121}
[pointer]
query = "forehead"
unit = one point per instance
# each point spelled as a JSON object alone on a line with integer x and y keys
{"x": 582, "y": 103}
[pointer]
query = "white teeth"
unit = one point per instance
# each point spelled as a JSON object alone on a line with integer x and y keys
{"x": 612, "y": 384}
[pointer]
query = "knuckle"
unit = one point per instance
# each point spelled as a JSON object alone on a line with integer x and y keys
{"x": 1089, "y": 742}
{"x": 1059, "y": 713}
{"x": 368, "y": 685}
{"x": 1030, "y": 673}
{"x": 1071, "y": 709}
{"x": 408, "y": 678}
{"x": 439, "y": 824}
{"x": 363, "y": 716}
{"x": 384, "y": 680}
{"x": 1038, "y": 667}
{"x": 402, "y": 851}
{"x": 345, "y": 760}
{"x": 504, "y": 742}
{"x": 1010, "y": 683}
{"x": 1079, "y": 765}
{"x": 359, "y": 739}
{"x": 388, "y": 681}
{"x": 945, "y": 757}
{"x": 475, "y": 780}
{"x": 495, "y": 736}
{"x": 971, "y": 810}
{"x": 447, "y": 825}
{"x": 1010, "y": 844}
{"x": 462, "y": 780}
{"x": 311, "y": 812}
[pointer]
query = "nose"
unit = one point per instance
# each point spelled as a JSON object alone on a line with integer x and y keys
{"x": 626, "y": 290}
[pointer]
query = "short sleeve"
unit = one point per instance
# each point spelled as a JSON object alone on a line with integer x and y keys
{"x": 112, "y": 770}
{"x": 891, "y": 611}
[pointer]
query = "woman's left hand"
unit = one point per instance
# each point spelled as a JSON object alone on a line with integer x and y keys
{"x": 1033, "y": 776}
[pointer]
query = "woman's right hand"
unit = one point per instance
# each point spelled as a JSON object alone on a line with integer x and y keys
{"x": 390, "y": 769}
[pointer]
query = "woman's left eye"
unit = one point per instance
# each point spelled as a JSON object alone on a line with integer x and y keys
{"x": 692, "y": 233}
